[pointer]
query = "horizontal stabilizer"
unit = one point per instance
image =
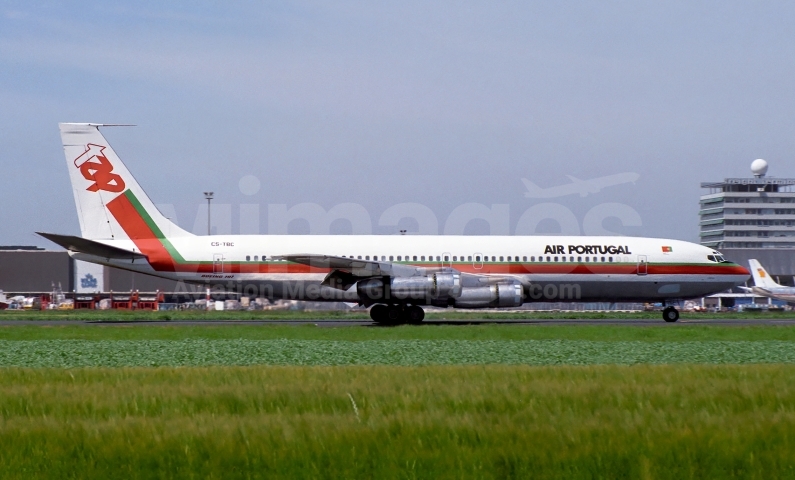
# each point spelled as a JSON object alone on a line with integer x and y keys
{"x": 90, "y": 247}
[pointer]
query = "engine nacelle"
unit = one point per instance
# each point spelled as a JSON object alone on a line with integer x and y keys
{"x": 495, "y": 296}
{"x": 435, "y": 288}
{"x": 446, "y": 285}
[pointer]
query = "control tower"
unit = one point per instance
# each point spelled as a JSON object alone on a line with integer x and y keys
{"x": 752, "y": 218}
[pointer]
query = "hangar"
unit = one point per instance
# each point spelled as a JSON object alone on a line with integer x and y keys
{"x": 34, "y": 269}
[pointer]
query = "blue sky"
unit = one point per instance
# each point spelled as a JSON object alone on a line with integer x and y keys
{"x": 440, "y": 104}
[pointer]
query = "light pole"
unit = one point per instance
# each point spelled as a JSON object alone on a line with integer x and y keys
{"x": 209, "y": 197}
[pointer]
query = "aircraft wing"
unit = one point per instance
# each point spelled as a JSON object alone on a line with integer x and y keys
{"x": 360, "y": 268}
{"x": 90, "y": 247}
{"x": 347, "y": 271}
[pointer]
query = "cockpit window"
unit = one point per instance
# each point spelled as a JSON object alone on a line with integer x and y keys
{"x": 717, "y": 258}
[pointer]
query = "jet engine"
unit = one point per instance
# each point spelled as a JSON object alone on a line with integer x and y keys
{"x": 498, "y": 295}
{"x": 435, "y": 288}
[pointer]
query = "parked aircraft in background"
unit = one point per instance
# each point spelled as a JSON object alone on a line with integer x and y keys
{"x": 577, "y": 186}
{"x": 395, "y": 275}
{"x": 764, "y": 286}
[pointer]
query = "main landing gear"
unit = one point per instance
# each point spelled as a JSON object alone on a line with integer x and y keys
{"x": 670, "y": 314}
{"x": 397, "y": 314}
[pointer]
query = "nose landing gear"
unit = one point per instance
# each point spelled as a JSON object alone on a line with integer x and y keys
{"x": 670, "y": 314}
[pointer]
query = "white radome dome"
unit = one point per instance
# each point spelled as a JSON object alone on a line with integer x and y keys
{"x": 759, "y": 167}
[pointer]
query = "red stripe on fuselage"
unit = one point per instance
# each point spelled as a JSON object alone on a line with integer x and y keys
{"x": 139, "y": 232}
{"x": 161, "y": 260}
{"x": 516, "y": 269}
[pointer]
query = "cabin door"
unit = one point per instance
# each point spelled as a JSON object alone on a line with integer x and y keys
{"x": 218, "y": 263}
{"x": 643, "y": 265}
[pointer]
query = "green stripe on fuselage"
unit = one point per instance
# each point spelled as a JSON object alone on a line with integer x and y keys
{"x": 175, "y": 255}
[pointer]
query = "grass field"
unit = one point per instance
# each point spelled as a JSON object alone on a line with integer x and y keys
{"x": 473, "y": 401}
{"x": 662, "y": 332}
{"x": 198, "y": 352}
{"x": 399, "y": 422}
{"x": 140, "y": 345}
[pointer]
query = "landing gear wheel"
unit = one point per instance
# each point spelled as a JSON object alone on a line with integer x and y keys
{"x": 379, "y": 313}
{"x": 415, "y": 314}
{"x": 394, "y": 314}
{"x": 670, "y": 314}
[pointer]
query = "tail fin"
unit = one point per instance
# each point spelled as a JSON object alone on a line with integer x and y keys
{"x": 761, "y": 277}
{"x": 110, "y": 203}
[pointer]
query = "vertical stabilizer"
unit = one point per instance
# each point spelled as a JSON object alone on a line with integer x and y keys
{"x": 761, "y": 277}
{"x": 110, "y": 203}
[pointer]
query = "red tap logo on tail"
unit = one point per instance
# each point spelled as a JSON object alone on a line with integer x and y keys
{"x": 100, "y": 171}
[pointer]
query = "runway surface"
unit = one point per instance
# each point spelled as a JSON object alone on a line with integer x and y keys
{"x": 427, "y": 323}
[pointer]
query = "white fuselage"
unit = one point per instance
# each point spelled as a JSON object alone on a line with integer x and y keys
{"x": 785, "y": 294}
{"x": 588, "y": 269}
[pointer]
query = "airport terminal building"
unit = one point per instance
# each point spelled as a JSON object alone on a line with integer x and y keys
{"x": 753, "y": 217}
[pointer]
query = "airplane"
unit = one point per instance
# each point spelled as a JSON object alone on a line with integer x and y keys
{"x": 764, "y": 285}
{"x": 393, "y": 275}
{"x": 577, "y": 186}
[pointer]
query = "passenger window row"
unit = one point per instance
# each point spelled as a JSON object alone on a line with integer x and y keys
{"x": 485, "y": 258}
